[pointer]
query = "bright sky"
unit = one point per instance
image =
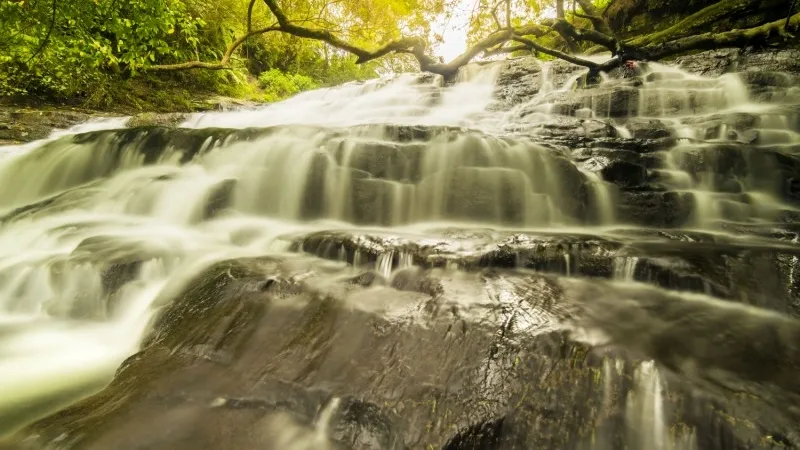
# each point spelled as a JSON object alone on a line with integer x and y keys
{"x": 454, "y": 30}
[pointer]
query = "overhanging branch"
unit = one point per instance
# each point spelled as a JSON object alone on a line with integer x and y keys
{"x": 556, "y": 53}
{"x": 502, "y": 50}
{"x": 582, "y": 34}
{"x": 736, "y": 38}
{"x": 495, "y": 43}
{"x": 223, "y": 63}
{"x": 698, "y": 21}
{"x": 594, "y": 15}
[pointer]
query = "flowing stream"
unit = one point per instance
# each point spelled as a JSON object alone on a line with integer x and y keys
{"x": 102, "y": 226}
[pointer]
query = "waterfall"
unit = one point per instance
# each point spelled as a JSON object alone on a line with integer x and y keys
{"x": 625, "y": 268}
{"x": 705, "y": 114}
{"x": 645, "y": 414}
{"x": 411, "y": 213}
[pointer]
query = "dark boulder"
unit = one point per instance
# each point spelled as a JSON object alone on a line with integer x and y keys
{"x": 618, "y": 171}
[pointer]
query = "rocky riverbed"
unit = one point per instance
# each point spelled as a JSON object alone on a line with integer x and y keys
{"x": 572, "y": 265}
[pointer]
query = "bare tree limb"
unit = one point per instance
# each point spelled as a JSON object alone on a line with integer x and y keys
{"x": 583, "y": 34}
{"x": 414, "y": 45}
{"x": 789, "y": 14}
{"x": 493, "y": 12}
{"x": 556, "y": 53}
{"x": 250, "y": 15}
{"x": 49, "y": 33}
{"x": 571, "y": 44}
{"x": 496, "y": 42}
{"x": 585, "y": 16}
{"x": 223, "y": 63}
{"x": 595, "y": 16}
{"x": 501, "y": 50}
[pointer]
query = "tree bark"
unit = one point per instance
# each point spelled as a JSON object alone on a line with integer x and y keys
{"x": 560, "y": 15}
{"x": 596, "y": 17}
{"x": 735, "y": 38}
{"x": 698, "y": 20}
{"x": 556, "y": 53}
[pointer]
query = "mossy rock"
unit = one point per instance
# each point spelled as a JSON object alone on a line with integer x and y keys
{"x": 169, "y": 120}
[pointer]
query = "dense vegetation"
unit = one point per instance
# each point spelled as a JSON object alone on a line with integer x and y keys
{"x": 102, "y": 51}
{"x": 160, "y": 54}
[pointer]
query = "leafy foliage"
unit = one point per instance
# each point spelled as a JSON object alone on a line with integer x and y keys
{"x": 279, "y": 85}
{"x": 66, "y": 52}
{"x": 94, "y": 51}
{"x": 87, "y": 50}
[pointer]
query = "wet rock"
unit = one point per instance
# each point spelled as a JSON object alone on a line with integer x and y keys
{"x": 792, "y": 189}
{"x": 476, "y": 194}
{"x": 117, "y": 274}
{"x": 24, "y": 125}
{"x": 375, "y": 201}
{"x": 366, "y": 279}
{"x": 620, "y": 172}
{"x": 219, "y": 199}
{"x": 450, "y": 336}
{"x": 408, "y": 133}
{"x": 414, "y": 279}
{"x": 380, "y": 369}
{"x": 149, "y": 119}
{"x": 520, "y": 79}
{"x": 481, "y": 436}
{"x": 381, "y": 159}
{"x": 617, "y": 101}
{"x": 718, "y": 62}
{"x": 597, "y": 129}
{"x": 650, "y": 129}
{"x": 763, "y": 78}
{"x": 658, "y": 209}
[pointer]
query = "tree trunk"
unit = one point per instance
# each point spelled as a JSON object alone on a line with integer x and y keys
{"x": 699, "y": 20}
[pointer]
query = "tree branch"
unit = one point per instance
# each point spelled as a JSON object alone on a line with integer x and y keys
{"x": 698, "y": 20}
{"x": 326, "y": 36}
{"x": 493, "y": 12}
{"x": 595, "y": 16}
{"x": 583, "y": 34}
{"x": 250, "y": 15}
{"x": 47, "y": 36}
{"x": 710, "y": 41}
{"x": 415, "y": 46}
{"x": 789, "y": 14}
{"x": 501, "y": 50}
{"x": 571, "y": 44}
{"x": 556, "y": 53}
{"x": 585, "y": 16}
{"x": 495, "y": 43}
{"x": 223, "y": 64}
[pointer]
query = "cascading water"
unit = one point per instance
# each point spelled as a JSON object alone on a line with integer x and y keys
{"x": 420, "y": 184}
{"x": 721, "y": 132}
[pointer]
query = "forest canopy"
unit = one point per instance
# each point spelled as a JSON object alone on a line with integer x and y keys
{"x": 93, "y": 50}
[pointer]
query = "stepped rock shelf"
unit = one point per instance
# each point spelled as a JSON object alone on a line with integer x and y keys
{"x": 520, "y": 260}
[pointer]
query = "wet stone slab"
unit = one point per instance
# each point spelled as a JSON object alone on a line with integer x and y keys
{"x": 254, "y": 357}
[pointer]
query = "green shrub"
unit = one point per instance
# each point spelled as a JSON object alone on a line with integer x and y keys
{"x": 278, "y": 85}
